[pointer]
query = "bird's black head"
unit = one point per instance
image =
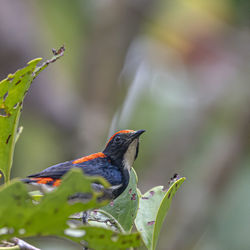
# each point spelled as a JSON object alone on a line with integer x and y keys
{"x": 123, "y": 146}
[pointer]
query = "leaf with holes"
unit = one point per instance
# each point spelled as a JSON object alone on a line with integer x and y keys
{"x": 101, "y": 238}
{"x": 12, "y": 93}
{"x": 27, "y": 218}
{"x": 153, "y": 207}
{"x": 124, "y": 208}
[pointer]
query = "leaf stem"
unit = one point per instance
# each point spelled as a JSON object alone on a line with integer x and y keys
{"x": 111, "y": 217}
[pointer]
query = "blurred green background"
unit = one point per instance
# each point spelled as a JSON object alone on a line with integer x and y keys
{"x": 179, "y": 69}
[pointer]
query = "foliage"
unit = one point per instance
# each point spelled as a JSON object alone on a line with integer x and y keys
{"x": 25, "y": 214}
{"x": 154, "y": 205}
{"x": 124, "y": 208}
{"x": 12, "y": 92}
{"x": 27, "y": 218}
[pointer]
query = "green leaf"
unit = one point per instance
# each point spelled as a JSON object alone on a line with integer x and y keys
{"x": 22, "y": 216}
{"x": 49, "y": 216}
{"x": 99, "y": 238}
{"x": 153, "y": 207}
{"x": 12, "y": 92}
{"x": 124, "y": 208}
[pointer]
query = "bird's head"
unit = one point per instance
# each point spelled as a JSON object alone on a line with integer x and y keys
{"x": 123, "y": 146}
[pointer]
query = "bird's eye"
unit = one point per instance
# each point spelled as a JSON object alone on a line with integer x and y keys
{"x": 117, "y": 139}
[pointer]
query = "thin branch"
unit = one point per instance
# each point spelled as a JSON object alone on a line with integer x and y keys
{"x": 23, "y": 245}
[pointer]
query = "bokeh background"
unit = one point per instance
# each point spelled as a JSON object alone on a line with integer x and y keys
{"x": 179, "y": 69}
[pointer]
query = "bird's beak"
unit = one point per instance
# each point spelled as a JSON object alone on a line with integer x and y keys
{"x": 136, "y": 134}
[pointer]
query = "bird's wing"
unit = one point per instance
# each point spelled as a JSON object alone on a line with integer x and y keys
{"x": 50, "y": 176}
{"x": 94, "y": 167}
{"x": 55, "y": 171}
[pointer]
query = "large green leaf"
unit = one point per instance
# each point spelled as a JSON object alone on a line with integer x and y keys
{"x": 124, "y": 208}
{"x": 12, "y": 93}
{"x": 99, "y": 238}
{"x": 21, "y": 216}
{"x": 153, "y": 207}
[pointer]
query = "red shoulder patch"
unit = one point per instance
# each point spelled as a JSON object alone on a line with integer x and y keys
{"x": 42, "y": 180}
{"x": 57, "y": 182}
{"x": 47, "y": 180}
{"x": 121, "y": 132}
{"x": 89, "y": 157}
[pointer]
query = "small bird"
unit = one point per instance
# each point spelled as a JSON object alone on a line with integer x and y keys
{"x": 113, "y": 164}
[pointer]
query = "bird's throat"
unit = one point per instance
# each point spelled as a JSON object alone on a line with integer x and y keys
{"x": 129, "y": 156}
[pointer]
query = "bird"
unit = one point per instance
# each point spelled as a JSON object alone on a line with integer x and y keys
{"x": 113, "y": 164}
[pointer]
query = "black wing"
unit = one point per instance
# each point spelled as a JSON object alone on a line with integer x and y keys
{"x": 55, "y": 171}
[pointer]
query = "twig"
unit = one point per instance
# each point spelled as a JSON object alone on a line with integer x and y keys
{"x": 23, "y": 245}
{"x": 57, "y": 54}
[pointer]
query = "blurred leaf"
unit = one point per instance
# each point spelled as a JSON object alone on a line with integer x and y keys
{"x": 49, "y": 216}
{"x": 153, "y": 207}
{"x": 125, "y": 207}
{"x": 21, "y": 216}
{"x": 12, "y": 92}
{"x": 101, "y": 238}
